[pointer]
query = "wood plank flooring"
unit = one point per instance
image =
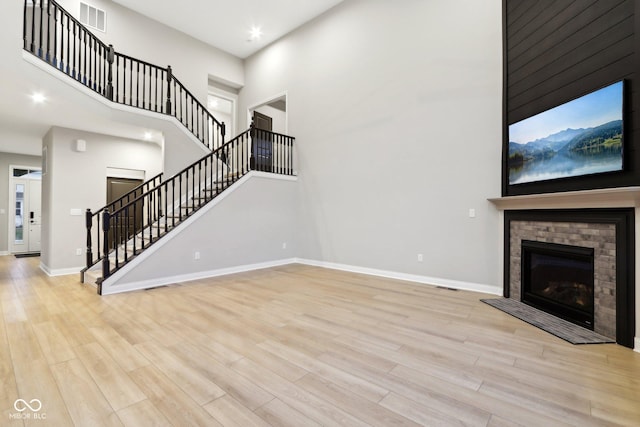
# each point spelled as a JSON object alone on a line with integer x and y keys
{"x": 292, "y": 346}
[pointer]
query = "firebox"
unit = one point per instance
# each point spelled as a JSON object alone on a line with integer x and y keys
{"x": 559, "y": 279}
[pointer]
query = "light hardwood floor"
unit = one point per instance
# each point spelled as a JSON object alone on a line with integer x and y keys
{"x": 292, "y": 346}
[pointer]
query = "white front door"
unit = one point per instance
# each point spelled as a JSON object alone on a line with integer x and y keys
{"x": 25, "y": 222}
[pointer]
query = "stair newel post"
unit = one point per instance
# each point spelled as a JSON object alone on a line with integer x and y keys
{"x": 168, "y": 101}
{"x": 252, "y": 136}
{"x": 110, "y": 58}
{"x": 106, "y": 224}
{"x": 89, "y": 223}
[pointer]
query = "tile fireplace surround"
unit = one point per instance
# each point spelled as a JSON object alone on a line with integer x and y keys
{"x": 582, "y": 218}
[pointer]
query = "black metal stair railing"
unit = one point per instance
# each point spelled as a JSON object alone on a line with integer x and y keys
{"x": 164, "y": 206}
{"x": 94, "y": 249}
{"x": 53, "y": 35}
{"x": 123, "y": 229}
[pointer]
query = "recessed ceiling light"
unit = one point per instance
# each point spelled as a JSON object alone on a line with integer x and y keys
{"x": 213, "y": 103}
{"x": 255, "y": 33}
{"x": 38, "y": 98}
{"x": 147, "y": 136}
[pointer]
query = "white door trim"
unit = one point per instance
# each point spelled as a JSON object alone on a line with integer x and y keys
{"x": 12, "y": 205}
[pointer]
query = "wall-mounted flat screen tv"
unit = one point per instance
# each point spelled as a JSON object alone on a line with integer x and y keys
{"x": 580, "y": 137}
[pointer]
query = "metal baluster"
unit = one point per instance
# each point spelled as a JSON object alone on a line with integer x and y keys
{"x": 33, "y": 28}
{"x": 144, "y": 86}
{"x": 84, "y": 59}
{"x": 106, "y": 223}
{"x": 180, "y": 200}
{"x": 155, "y": 98}
{"x": 24, "y": 26}
{"x": 173, "y": 202}
{"x": 158, "y": 209}
{"x": 55, "y": 35}
{"x": 98, "y": 216}
{"x": 131, "y": 83}
{"x": 168, "y": 103}
{"x": 41, "y": 29}
{"x": 92, "y": 63}
{"x": 138, "y": 85}
{"x": 166, "y": 211}
{"x": 69, "y": 53}
{"x": 126, "y": 234}
{"x": 117, "y": 85}
{"x": 193, "y": 189}
{"x": 48, "y": 56}
{"x": 75, "y": 51}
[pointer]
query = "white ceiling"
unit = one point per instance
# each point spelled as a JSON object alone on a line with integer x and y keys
{"x": 225, "y": 24}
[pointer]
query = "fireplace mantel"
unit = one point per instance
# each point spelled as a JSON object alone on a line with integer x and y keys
{"x": 623, "y": 197}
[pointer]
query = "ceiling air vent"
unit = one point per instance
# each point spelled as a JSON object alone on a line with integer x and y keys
{"x": 93, "y": 17}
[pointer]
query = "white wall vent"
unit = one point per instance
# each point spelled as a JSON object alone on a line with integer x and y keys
{"x": 93, "y": 17}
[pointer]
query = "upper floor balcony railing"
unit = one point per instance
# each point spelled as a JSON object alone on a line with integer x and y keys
{"x": 56, "y": 37}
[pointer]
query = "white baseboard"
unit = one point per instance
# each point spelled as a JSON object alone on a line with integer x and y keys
{"x": 434, "y": 281}
{"x": 4, "y": 253}
{"x": 154, "y": 283}
{"x": 636, "y": 344}
{"x": 59, "y": 271}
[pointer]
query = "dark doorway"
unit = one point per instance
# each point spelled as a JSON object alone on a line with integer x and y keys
{"x": 262, "y": 143}
{"x": 132, "y": 220}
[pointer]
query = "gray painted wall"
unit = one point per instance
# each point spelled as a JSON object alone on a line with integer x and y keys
{"x": 77, "y": 180}
{"x": 248, "y": 226}
{"x": 7, "y": 159}
{"x": 396, "y": 110}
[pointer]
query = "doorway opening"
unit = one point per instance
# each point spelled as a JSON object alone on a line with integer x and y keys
{"x": 132, "y": 222}
{"x": 25, "y": 201}
{"x": 269, "y": 118}
{"x": 276, "y": 110}
{"x": 222, "y": 102}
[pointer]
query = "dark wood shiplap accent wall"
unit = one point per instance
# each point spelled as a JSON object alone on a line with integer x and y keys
{"x": 558, "y": 50}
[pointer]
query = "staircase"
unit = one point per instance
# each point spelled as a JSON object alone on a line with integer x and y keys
{"x": 122, "y": 230}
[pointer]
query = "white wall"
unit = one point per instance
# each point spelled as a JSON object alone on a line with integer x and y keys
{"x": 143, "y": 38}
{"x": 77, "y": 180}
{"x": 396, "y": 110}
{"x": 248, "y": 225}
{"x": 7, "y": 159}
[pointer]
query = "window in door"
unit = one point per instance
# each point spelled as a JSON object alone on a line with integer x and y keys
{"x": 19, "y": 218}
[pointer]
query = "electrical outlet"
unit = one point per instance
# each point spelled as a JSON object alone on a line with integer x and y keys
{"x": 472, "y": 213}
{"x": 420, "y": 258}
{"x": 284, "y": 245}
{"x": 79, "y": 251}
{"x": 196, "y": 255}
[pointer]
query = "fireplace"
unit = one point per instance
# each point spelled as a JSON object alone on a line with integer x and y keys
{"x": 609, "y": 232}
{"x": 559, "y": 279}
